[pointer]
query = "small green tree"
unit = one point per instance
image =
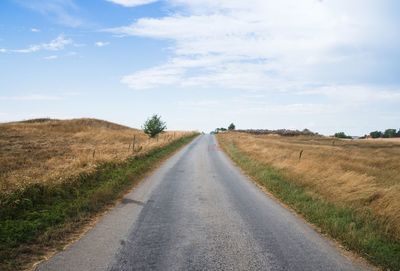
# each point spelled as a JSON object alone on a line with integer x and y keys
{"x": 389, "y": 133}
{"x": 153, "y": 126}
{"x": 376, "y": 134}
{"x": 231, "y": 127}
{"x": 342, "y": 135}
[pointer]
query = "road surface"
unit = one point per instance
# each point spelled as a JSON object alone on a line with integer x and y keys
{"x": 199, "y": 212}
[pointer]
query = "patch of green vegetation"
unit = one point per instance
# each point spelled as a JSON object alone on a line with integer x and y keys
{"x": 342, "y": 135}
{"x": 360, "y": 232}
{"x": 43, "y": 215}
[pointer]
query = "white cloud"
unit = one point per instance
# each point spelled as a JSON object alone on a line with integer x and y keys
{"x": 35, "y": 30}
{"x": 258, "y": 45}
{"x": 64, "y": 12}
{"x": 132, "y": 3}
{"x": 2, "y": 50}
{"x": 72, "y": 93}
{"x": 250, "y": 106}
{"x": 34, "y": 97}
{"x": 153, "y": 77}
{"x": 101, "y": 43}
{"x": 52, "y": 57}
{"x": 56, "y": 44}
{"x": 355, "y": 95}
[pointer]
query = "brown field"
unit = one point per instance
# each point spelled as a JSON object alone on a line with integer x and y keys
{"x": 395, "y": 139}
{"x": 361, "y": 174}
{"x": 53, "y": 151}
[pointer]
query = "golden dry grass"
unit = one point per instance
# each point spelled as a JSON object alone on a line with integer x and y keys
{"x": 53, "y": 151}
{"x": 361, "y": 174}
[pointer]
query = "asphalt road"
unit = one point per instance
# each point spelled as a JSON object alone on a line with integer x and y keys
{"x": 198, "y": 212}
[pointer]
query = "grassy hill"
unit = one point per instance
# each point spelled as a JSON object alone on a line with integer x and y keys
{"x": 49, "y": 150}
{"x": 56, "y": 175}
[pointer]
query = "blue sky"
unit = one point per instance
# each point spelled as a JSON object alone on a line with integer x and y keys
{"x": 324, "y": 65}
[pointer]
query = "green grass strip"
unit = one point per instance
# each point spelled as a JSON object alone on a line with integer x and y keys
{"x": 42, "y": 215}
{"x": 360, "y": 232}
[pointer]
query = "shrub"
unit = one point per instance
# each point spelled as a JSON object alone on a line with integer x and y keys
{"x": 376, "y": 134}
{"x": 153, "y": 126}
{"x": 342, "y": 135}
{"x": 389, "y": 133}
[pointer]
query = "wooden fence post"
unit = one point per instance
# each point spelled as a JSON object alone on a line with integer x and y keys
{"x": 301, "y": 153}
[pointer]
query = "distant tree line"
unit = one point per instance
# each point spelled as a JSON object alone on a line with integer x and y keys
{"x": 388, "y": 133}
{"x": 282, "y": 132}
{"x": 231, "y": 127}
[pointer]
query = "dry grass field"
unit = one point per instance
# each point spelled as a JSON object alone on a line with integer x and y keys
{"x": 53, "y": 151}
{"x": 57, "y": 175}
{"x": 361, "y": 174}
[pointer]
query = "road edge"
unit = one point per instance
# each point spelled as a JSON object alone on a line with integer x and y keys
{"x": 346, "y": 252}
{"x": 75, "y": 230}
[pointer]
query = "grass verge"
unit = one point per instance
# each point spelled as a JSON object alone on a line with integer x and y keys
{"x": 360, "y": 232}
{"x": 41, "y": 216}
